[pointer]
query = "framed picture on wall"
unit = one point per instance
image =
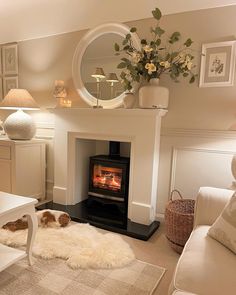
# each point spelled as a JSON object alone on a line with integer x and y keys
{"x": 217, "y": 64}
{"x": 10, "y": 59}
{"x": 9, "y": 83}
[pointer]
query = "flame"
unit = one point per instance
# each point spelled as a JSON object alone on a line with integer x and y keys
{"x": 107, "y": 178}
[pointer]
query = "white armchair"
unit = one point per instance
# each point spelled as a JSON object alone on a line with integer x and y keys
{"x": 206, "y": 267}
{"x": 209, "y": 204}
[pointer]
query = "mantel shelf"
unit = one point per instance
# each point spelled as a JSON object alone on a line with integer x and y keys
{"x": 111, "y": 112}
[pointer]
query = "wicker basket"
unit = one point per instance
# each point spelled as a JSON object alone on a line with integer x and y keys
{"x": 179, "y": 221}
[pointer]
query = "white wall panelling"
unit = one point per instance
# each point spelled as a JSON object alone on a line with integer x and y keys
{"x": 193, "y": 158}
{"x": 45, "y": 130}
{"x": 195, "y": 167}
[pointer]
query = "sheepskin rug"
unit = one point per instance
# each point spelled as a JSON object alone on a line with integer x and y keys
{"x": 81, "y": 245}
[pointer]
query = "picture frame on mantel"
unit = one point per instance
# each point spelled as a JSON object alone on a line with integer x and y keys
{"x": 217, "y": 64}
{"x": 9, "y": 83}
{"x": 10, "y": 59}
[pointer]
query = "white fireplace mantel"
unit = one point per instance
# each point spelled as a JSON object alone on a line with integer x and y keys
{"x": 139, "y": 127}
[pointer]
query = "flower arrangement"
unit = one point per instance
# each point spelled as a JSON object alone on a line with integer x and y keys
{"x": 154, "y": 58}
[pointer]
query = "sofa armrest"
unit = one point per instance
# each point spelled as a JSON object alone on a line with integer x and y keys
{"x": 209, "y": 204}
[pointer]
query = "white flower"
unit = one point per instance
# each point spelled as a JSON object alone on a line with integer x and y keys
{"x": 128, "y": 75}
{"x": 187, "y": 62}
{"x": 135, "y": 57}
{"x": 165, "y": 64}
{"x": 189, "y": 65}
{"x": 150, "y": 67}
{"x": 180, "y": 58}
{"x": 147, "y": 48}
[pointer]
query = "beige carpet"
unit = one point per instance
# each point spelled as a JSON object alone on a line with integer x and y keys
{"x": 48, "y": 277}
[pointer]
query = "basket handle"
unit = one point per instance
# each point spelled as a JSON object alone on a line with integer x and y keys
{"x": 175, "y": 191}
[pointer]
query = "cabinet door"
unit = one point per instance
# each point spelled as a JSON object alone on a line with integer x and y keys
{"x": 5, "y": 176}
{"x": 29, "y": 180}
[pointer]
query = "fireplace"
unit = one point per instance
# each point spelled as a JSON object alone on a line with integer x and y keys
{"x": 78, "y": 136}
{"x": 108, "y": 187}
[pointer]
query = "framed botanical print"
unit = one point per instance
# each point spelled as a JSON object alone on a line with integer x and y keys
{"x": 9, "y": 59}
{"x": 9, "y": 83}
{"x": 217, "y": 64}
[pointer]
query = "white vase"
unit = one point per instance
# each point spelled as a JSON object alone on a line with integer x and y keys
{"x": 153, "y": 96}
{"x": 129, "y": 100}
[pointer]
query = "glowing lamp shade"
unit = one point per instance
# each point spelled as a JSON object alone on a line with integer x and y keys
{"x": 98, "y": 73}
{"x": 112, "y": 77}
{"x": 19, "y": 125}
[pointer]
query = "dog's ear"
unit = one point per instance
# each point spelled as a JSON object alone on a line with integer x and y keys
{"x": 47, "y": 217}
{"x": 64, "y": 219}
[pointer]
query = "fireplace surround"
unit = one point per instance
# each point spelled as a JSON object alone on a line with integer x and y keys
{"x": 76, "y": 133}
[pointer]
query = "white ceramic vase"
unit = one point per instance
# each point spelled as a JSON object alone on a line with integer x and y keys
{"x": 153, "y": 96}
{"x": 129, "y": 100}
{"x": 19, "y": 126}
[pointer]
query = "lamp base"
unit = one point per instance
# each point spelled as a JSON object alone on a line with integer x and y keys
{"x": 19, "y": 126}
{"x": 98, "y": 107}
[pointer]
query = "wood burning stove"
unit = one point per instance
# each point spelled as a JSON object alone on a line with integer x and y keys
{"x": 109, "y": 177}
{"x": 108, "y": 187}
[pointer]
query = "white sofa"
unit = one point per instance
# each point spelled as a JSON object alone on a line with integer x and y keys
{"x": 205, "y": 266}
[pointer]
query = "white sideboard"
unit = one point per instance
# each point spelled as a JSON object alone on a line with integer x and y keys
{"x": 22, "y": 167}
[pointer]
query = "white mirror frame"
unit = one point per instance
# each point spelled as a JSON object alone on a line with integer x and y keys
{"x": 93, "y": 34}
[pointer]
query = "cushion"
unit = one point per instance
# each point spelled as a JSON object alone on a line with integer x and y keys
{"x": 205, "y": 267}
{"x": 224, "y": 228}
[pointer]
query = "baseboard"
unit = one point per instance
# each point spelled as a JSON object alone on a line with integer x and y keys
{"x": 160, "y": 216}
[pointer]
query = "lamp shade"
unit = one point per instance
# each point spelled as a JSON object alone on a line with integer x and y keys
{"x": 19, "y": 99}
{"x": 98, "y": 73}
{"x": 112, "y": 77}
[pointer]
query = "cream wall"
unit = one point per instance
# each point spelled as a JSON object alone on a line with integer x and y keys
{"x": 41, "y": 61}
{"x": 30, "y": 19}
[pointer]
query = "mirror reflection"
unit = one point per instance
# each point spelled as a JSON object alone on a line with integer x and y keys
{"x": 99, "y": 71}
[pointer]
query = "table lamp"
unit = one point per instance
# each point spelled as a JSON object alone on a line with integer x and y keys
{"x": 19, "y": 125}
{"x": 112, "y": 78}
{"x": 98, "y": 75}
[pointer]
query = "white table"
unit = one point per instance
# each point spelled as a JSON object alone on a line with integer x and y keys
{"x": 13, "y": 207}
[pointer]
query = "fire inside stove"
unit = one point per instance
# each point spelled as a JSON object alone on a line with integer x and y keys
{"x": 107, "y": 178}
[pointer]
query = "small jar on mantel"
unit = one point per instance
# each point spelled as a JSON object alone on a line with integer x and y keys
{"x": 153, "y": 96}
{"x": 129, "y": 100}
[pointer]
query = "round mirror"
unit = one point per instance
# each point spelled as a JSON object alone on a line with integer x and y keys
{"x": 95, "y": 72}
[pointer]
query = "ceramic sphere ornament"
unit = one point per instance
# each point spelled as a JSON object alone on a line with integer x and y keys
{"x": 19, "y": 125}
